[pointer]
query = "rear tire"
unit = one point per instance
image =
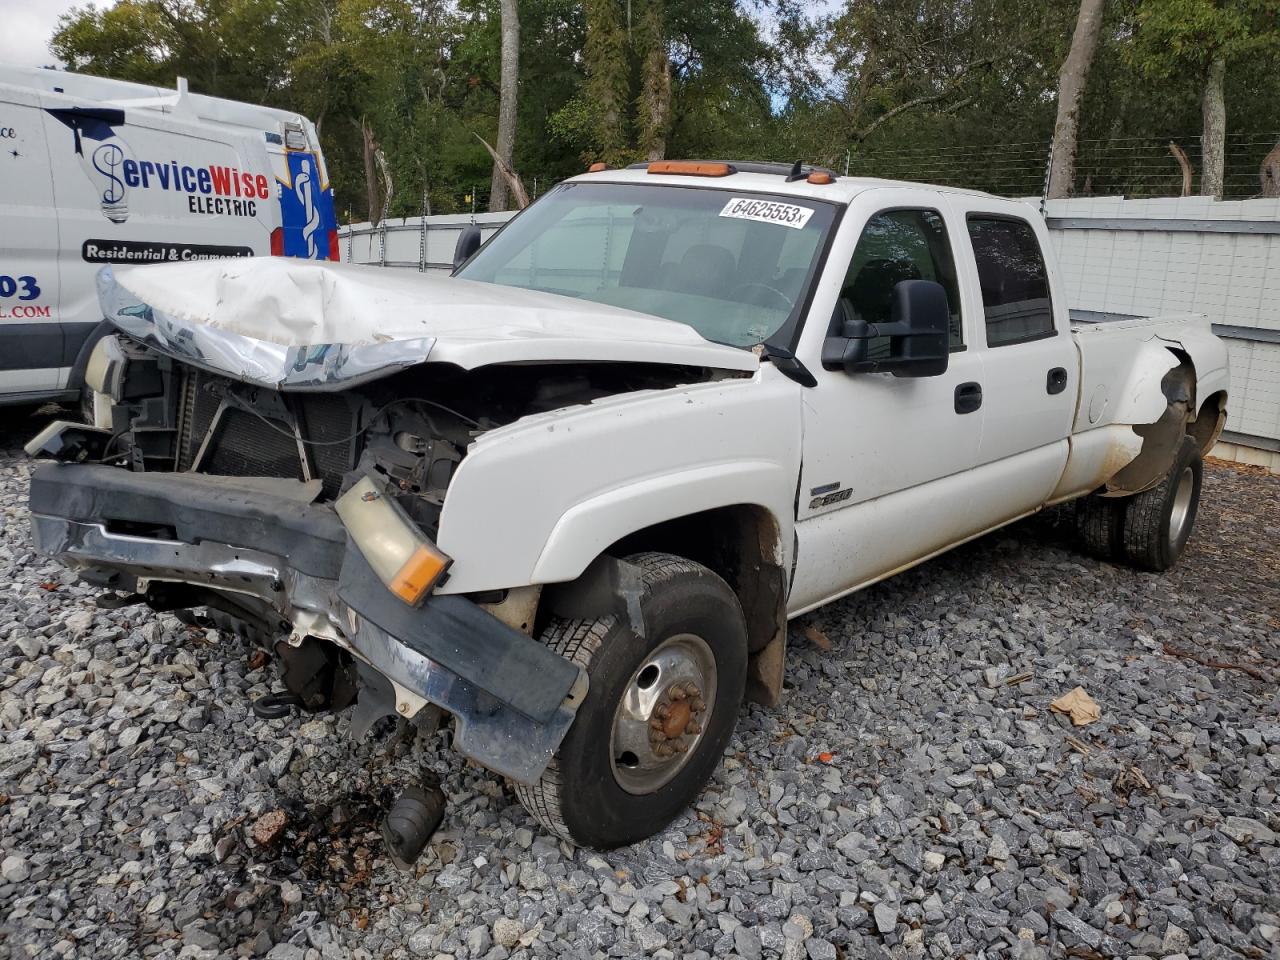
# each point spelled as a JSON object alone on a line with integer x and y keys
{"x": 1158, "y": 522}
{"x": 659, "y": 711}
{"x": 1100, "y": 526}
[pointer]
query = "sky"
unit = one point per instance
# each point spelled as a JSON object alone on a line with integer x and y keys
{"x": 28, "y": 25}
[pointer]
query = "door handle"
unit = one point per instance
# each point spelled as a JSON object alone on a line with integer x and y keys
{"x": 968, "y": 397}
{"x": 1056, "y": 382}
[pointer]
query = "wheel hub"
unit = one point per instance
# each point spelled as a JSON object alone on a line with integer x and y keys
{"x": 662, "y": 714}
{"x": 677, "y": 718}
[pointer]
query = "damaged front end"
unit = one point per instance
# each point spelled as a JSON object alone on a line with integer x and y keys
{"x": 295, "y": 493}
{"x": 264, "y": 554}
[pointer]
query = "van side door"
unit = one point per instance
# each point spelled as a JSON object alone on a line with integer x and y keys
{"x": 137, "y": 186}
{"x": 32, "y": 355}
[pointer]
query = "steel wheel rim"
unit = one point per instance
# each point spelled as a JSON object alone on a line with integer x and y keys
{"x": 662, "y": 717}
{"x": 1181, "y": 504}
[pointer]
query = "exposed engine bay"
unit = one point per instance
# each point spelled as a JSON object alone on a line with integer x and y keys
{"x": 413, "y": 427}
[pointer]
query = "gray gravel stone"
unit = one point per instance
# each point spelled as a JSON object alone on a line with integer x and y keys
{"x": 886, "y": 917}
{"x": 507, "y": 932}
{"x": 953, "y": 819}
{"x": 14, "y": 869}
{"x": 746, "y": 942}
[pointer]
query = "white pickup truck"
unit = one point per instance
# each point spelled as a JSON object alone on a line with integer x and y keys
{"x": 572, "y": 495}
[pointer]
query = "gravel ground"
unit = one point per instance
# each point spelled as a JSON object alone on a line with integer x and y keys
{"x": 913, "y": 796}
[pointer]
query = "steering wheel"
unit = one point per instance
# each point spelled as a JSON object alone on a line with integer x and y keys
{"x": 783, "y": 299}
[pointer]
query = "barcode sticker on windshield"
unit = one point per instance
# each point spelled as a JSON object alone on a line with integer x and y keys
{"x": 767, "y": 211}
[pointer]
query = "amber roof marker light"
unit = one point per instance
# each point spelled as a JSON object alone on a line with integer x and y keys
{"x": 597, "y": 167}
{"x": 691, "y": 168}
{"x": 820, "y": 178}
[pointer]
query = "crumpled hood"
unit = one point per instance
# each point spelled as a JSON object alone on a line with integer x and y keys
{"x": 298, "y": 323}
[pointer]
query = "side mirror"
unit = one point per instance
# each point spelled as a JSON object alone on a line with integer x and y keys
{"x": 468, "y": 243}
{"x": 917, "y": 332}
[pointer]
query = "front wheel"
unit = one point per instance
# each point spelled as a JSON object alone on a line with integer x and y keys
{"x": 1158, "y": 522}
{"x": 662, "y": 704}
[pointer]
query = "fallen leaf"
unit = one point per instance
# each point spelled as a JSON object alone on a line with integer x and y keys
{"x": 49, "y": 585}
{"x": 1078, "y": 705}
{"x": 258, "y": 660}
{"x": 816, "y": 637}
{"x": 826, "y": 756}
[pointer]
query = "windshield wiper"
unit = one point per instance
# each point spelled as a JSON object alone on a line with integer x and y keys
{"x": 788, "y": 364}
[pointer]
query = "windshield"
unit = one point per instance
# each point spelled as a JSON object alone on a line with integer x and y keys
{"x": 733, "y": 265}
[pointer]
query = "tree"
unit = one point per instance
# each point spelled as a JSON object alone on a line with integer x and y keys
{"x": 1204, "y": 38}
{"x": 1072, "y": 80}
{"x": 655, "y": 84}
{"x": 898, "y": 60}
{"x": 659, "y": 76}
{"x": 1213, "y": 137}
{"x": 1269, "y": 173}
{"x": 508, "y": 89}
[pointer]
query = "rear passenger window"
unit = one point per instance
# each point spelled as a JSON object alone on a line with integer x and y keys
{"x": 1015, "y": 284}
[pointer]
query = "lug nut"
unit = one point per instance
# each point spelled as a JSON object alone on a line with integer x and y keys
{"x": 698, "y": 704}
{"x": 678, "y": 692}
{"x": 662, "y": 710}
{"x": 655, "y": 723}
{"x": 694, "y": 727}
{"x": 680, "y": 745}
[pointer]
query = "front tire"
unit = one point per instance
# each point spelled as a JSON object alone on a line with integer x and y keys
{"x": 662, "y": 704}
{"x": 1158, "y": 522}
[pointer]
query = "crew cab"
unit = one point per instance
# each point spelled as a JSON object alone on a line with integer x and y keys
{"x": 572, "y": 495}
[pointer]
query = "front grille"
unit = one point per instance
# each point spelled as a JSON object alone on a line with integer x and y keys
{"x": 247, "y": 446}
{"x": 328, "y": 422}
{"x": 243, "y": 445}
{"x": 200, "y": 403}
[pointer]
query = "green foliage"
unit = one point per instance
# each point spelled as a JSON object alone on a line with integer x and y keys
{"x": 955, "y": 90}
{"x": 1171, "y": 36}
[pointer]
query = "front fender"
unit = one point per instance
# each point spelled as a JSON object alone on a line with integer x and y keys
{"x": 536, "y": 501}
{"x": 584, "y": 532}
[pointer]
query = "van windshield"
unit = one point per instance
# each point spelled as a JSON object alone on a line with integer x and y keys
{"x": 734, "y": 265}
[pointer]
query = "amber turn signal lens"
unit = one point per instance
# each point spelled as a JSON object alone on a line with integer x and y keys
{"x": 418, "y": 575}
{"x": 597, "y": 167}
{"x": 690, "y": 168}
{"x": 395, "y": 548}
{"x": 819, "y": 178}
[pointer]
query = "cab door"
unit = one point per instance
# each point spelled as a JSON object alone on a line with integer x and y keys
{"x": 32, "y": 358}
{"x": 1029, "y": 354}
{"x": 886, "y": 458}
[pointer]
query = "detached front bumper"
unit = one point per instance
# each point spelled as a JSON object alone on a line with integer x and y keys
{"x": 265, "y": 543}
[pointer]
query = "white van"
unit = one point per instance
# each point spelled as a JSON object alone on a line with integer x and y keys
{"x": 96, "y": 171}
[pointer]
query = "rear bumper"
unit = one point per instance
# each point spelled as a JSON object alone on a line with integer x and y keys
{"x": 264, "y": 543}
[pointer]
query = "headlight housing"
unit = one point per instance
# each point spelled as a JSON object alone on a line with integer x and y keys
{"x": 399, "y": 553}
{"x": 104, "y": 372}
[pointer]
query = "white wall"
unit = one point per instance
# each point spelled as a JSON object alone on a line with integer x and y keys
{"x": 1233, "y": 277}
{"x": 400, "y": 243}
